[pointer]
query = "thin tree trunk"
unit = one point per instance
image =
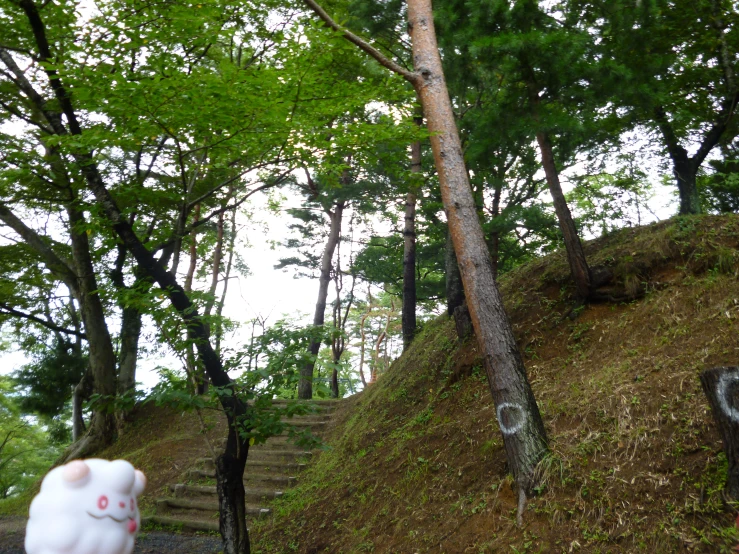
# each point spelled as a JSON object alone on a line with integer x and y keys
{"x": 408, "y": 322}
{"x": 305, "y": 386}
{"x": 518, "y": 414}
{"x": 495, "y": 236}
{"x": 81, "y": 392}
{"x": 211, "y": 299}
{"x": 226, "y": 277}
{"x": 190, "y": 363}
{"x": 575, "y": 254}
{"x": 362, "y": 347}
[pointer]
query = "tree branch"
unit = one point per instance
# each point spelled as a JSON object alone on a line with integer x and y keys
{"x": 410, "y": 76}
{"x": 717, "y": 129}
{"x": 57, "y": 265}
{"x": 4, "y": 308}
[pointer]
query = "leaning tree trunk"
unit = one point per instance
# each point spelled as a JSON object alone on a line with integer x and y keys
{"x": 408, "y": 322}
{"x": 575, "y": 254}
{"x": 230, "y": 465}
{"x": 305, "y": 386}
{"x": 721, "y": 385}
{"x": 518, "y": 415}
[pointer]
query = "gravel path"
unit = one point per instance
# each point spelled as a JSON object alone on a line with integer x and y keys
{"x": 12, "y": 532}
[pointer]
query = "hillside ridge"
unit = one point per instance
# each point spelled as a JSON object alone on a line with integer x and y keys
{"x": 416, "y": 461}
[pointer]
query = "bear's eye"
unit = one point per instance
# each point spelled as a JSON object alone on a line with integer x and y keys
{"x": 103, "y": 502}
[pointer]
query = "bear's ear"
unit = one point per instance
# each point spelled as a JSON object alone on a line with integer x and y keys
{"x": 76, "y": 473}
{"x": 140, "y": 483}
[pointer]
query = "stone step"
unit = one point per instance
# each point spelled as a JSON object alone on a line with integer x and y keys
{"x": 276, "y": 442}
{"x": 261, "y": 466}
{"x": 295, "y": 455}
{"x": 188, "y": 524}
{"x": 279, "y": 481}
{"x": 210, "y": 491}
{"x": 168, "y": 505}
{"x": 320, "y": 403}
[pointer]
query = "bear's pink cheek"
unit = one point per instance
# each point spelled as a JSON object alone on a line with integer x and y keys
{"x": 132, "y": 526}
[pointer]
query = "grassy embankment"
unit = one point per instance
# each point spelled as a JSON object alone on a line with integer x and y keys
{"x": 416, "y": 462}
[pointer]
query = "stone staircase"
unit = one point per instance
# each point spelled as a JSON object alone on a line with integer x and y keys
{"x": 271, "y": 468}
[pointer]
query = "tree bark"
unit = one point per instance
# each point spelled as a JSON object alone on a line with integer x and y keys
{"x": 575, "y": 253}
{"x": 305, "y": 386}
{"x": 518, "y": 414}
{"x": 721, "y": 385}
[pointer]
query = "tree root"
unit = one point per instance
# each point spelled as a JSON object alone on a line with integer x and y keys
{"x": 521, "y": 506}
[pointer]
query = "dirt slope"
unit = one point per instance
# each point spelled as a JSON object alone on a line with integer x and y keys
{"x": 416, "y": 462}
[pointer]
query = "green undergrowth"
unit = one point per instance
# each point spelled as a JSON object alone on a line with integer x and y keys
{"x": 416, "y": 462}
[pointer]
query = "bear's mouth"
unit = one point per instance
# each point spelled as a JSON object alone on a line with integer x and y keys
{"x": 110, "y": 516}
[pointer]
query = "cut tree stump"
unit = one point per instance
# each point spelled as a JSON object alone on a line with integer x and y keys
{"x": 721, "y": 385}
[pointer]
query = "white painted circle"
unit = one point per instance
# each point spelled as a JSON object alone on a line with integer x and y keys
{"x": 722, "y": 391}
{"x": 513, "y": 429}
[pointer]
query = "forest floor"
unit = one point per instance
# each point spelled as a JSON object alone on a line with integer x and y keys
{"x": 416, "y": 463}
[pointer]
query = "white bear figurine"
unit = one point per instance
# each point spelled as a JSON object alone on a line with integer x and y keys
{"x": 86, "y": 507}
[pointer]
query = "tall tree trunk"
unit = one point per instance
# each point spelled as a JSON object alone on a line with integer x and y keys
{"x": 408, "y": 322}
{"x": 305, "y": 386}
{"x": 518, "y": 414}
{"x": 130, "y": 332}
{"x": 102, "y": 429}
{"x": 685, "y": 171}
{"x": 229, "y": 465}
{"x": 575, "y": 254}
